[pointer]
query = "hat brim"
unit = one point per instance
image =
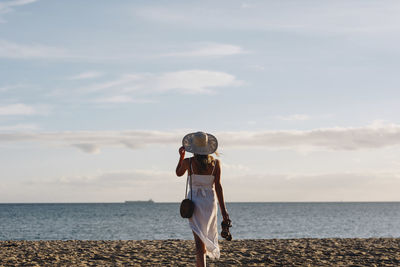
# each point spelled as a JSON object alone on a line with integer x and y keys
{"x": 210, "y": 148}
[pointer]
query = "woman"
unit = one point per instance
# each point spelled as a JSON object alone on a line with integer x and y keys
{"x": 205, "y": 172}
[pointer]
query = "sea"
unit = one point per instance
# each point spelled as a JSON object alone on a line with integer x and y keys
{"x": 143, "y": 220}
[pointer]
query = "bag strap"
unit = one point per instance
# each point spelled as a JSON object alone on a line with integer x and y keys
{"x": 189, "y": 177}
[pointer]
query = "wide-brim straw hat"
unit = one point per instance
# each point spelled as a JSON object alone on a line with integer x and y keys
{"x": 200, "y": 143}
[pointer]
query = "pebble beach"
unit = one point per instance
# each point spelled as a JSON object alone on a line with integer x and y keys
{"x": 259, "y": 252}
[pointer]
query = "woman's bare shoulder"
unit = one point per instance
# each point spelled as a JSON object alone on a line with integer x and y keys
{"x": 217, "y": 162}
{"x": 217, "y": 165}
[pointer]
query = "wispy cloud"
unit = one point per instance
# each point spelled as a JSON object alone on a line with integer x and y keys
{"x": 39, "y": 51}
{"x": 186, "y": 81}
{"x": 35, "y": 51}
{"x": 235, "y": 167}
{"x": 30, "y": 51}
{"x": 7, "y": 6}
{"x": 86, "y": 75}
{"x": 339, "y": 186}
{"x": 109, "y": 185}
{"x": 122, "y": 184}
{"x": 112, "y": 178}
{"x": 320, "y": 18}
{"x": 88, "y": 148}
{"x": 11, "y": 87}
{"x": 339, "y": 138}
{"x": 209, "y": 50}
{"x": 17, "y": 109}
{"x": 294, "y": 117}
{"x": 93, "y": 141}
{"x": 120, "y": 99}
{"x": 19, "y": 127}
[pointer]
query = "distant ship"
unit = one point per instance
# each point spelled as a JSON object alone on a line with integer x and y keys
{"x": 150, "y": 201}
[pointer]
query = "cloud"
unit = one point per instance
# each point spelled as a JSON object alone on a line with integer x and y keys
{"x": 20, "y": 109}
{"x": 88, "y": 148}
{"x": 19, "y": 127}
{"x": 112, "y": 178}
{"x": 235, "y": 167}
{"x": 39, "y": 51}
{"x": 17, "y": 109}
{"x": 92, "y": 141}
{"x": 14, "y": 50}
{"x": 123, "y": 185}
{"x": 373, "y": 136}
{"x": 340, "y": 186}
{"x": 86, "y": 75}
{"x": 294, "y": 117}
{"x": 119, "y": 99}
{"x": 101, "y": 186}
{"x": 30, "y": 51}
{"x": 338, "y": 138}
{"x": 210, "y": 50}
{"x": 7, "y": 6}
{"x": 12, "y": 87}
{"x": 186, "y": 81}
{"x": 320, "y": 18}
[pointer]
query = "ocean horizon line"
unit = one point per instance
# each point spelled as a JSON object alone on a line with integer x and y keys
{"x": 173, "y": 202}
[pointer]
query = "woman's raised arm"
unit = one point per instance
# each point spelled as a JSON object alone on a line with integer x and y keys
{"x": 182, "y": 163}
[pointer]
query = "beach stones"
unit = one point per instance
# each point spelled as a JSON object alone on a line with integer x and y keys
{"x": 268, "y": 252}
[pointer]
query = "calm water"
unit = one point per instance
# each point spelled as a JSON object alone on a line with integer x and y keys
{"x": 162, "y": 220}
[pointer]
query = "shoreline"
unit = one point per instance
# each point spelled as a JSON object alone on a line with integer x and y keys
{"x": 229, "y": 202}
{"x": 173, "y": 252}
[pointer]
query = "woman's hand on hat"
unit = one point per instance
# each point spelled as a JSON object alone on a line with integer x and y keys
{"x": 182, "y": 152}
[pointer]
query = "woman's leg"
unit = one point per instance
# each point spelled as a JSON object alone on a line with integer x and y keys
{"x": 200, "y": 251}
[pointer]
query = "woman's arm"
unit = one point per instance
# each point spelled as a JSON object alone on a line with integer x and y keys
{"x": 219, "y": 191}
{"x": 182, "y": 163}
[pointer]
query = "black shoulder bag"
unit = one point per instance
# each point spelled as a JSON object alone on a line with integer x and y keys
{"x": 187, "y": 205}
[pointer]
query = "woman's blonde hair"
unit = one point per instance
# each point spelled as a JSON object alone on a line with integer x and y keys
{"x": 204, "y": 160}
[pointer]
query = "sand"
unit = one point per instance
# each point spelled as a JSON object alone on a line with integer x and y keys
{"x": 262, "y": 252}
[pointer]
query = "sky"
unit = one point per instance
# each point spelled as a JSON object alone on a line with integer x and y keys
{"x": 96, "y": 96}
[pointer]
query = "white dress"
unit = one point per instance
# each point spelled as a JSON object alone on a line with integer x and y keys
{"x": 204, "y": 219}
